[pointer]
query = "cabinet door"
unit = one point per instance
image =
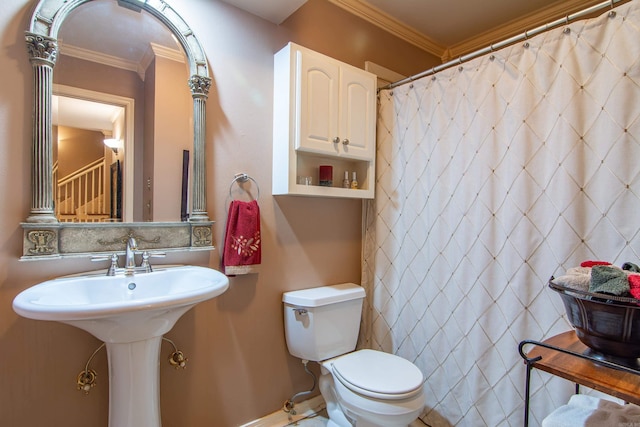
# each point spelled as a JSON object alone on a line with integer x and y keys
{"x": 316, "y": 104}
{"x": 357, "y": 114}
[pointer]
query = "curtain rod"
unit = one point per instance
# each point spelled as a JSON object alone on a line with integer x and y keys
{"x": 500, "y": 45}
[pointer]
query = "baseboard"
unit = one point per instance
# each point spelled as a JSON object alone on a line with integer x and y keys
{"x": 303, "y": 409}
{"x": 280, "y": 418}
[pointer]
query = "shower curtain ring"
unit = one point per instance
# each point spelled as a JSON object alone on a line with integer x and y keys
{"x": 612, "y": 13}
{"x": 566, "y": 30}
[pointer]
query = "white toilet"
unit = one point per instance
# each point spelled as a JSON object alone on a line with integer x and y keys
{"x": 361, "y": 388}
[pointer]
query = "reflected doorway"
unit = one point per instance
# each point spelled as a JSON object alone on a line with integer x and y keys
{"x": 84, "y": 174}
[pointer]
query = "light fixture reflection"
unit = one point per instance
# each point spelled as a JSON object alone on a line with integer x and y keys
{"x": 113, "y": 143}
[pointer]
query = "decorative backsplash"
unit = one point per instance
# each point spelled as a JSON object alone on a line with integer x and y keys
{"x": 55, "y": 240}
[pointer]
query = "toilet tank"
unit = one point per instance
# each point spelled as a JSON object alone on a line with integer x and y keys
{"x": 323, "y": 322}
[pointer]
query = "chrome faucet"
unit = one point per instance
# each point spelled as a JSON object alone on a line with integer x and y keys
{"x": 130, "y": 266}
{"x": 130, "y": 259}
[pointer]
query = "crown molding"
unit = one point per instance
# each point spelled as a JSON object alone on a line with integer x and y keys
{"x": 518, "y": 26}
{"x": 100, "y": 58}
{"x": 383, "y": 20}
{"x": 372, "y": 14}
{"x": 167, "y": 52}
{"x": 156, "y": 50}
{"x": 113, "y": 61}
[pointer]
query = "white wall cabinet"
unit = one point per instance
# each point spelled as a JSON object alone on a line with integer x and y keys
{"x": 324, "y": 114}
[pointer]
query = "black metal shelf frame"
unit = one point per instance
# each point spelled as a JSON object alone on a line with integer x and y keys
{"x": 530, "y": 362}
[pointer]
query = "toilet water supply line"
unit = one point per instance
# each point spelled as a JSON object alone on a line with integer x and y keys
{"x": 86, "y": 379}
{"x": 289, "y": 404}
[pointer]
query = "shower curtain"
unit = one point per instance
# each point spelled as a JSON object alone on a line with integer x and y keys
{"x": 491, "y": 177}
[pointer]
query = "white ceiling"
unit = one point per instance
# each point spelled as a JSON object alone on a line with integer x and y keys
{"x": 274, "y": 11}
{"x": 83, "y": 114}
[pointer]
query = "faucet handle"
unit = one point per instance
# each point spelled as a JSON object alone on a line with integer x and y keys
{"x": 157, "y": 254}
{"x": 145, "y": 259}
{"x": 114, "y": 265}
{"x": 114, "y": 262}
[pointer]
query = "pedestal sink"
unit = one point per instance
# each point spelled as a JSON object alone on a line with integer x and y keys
{"x": 130, "y": 314}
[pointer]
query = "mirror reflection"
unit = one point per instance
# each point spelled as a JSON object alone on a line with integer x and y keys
{"x": 87, "y": 160}
{"x": 120, "y": 75}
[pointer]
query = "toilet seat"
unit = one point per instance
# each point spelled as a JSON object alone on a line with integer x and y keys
{"x": 377, "y": 374}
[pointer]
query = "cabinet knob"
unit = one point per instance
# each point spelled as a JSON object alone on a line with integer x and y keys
{"x": 336, "y": 140}
{"x": 345, "y": 141}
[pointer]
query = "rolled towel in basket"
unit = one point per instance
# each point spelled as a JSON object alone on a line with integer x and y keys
{"x": 609, "y": 280}
{"x": 579, "y": 280}
{"x": 629, "y": 266}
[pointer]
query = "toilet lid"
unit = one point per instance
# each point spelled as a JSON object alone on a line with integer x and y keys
{"x": 377, "y": 374}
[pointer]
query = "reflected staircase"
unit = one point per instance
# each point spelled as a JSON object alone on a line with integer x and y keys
{"x": 81, "y": 196}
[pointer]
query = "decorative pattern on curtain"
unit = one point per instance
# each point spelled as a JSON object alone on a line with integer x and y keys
{"x": 492, "y": 177}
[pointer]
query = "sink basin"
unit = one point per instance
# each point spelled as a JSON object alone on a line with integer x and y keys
{"x": 130, "y": 314}
{"x": 141, "y": 303}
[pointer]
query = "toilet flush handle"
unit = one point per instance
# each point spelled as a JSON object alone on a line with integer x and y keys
{"x": 301, "y": 311}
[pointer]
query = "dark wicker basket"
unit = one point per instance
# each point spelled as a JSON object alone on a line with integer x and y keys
{"x": 607, "y": 324}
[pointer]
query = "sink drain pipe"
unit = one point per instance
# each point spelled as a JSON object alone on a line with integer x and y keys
{"x": 289, "y": 404}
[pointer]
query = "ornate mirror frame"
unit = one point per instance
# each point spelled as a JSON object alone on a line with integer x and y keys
{"x": 45, "y": 237}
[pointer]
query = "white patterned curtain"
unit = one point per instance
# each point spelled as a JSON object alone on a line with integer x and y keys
{"x": 491, "y": 177}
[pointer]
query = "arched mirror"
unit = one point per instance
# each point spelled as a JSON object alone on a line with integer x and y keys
{"x": 119, "y": 111}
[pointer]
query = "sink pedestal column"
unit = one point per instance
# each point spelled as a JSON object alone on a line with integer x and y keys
{"x": 134, "y": 383}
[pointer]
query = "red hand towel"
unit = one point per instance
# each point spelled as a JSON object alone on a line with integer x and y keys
{"x": 241, "y": 253}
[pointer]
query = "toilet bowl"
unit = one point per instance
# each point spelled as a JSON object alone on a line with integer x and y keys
{"x": 373, "y": 388}
{"x": 362, "y": 388}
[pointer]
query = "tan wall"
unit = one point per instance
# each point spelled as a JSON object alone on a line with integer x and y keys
{"x": 326, "y": 28}
{"x": 239, "y": 368}
{"x": 173, "y": 133}
{"x": 77, "y": 148}
{"x": 145, "y": 213}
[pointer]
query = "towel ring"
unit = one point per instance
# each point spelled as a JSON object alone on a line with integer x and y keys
{"x": 242, "y": 178}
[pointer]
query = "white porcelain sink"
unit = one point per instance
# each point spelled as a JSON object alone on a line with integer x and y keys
{"x": 130, "y": 314}
{"x": 144, "y": 304}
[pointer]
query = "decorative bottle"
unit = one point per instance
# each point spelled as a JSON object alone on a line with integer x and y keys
{"x": 345, "y": 181}
{"x": 354, "y": 181}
